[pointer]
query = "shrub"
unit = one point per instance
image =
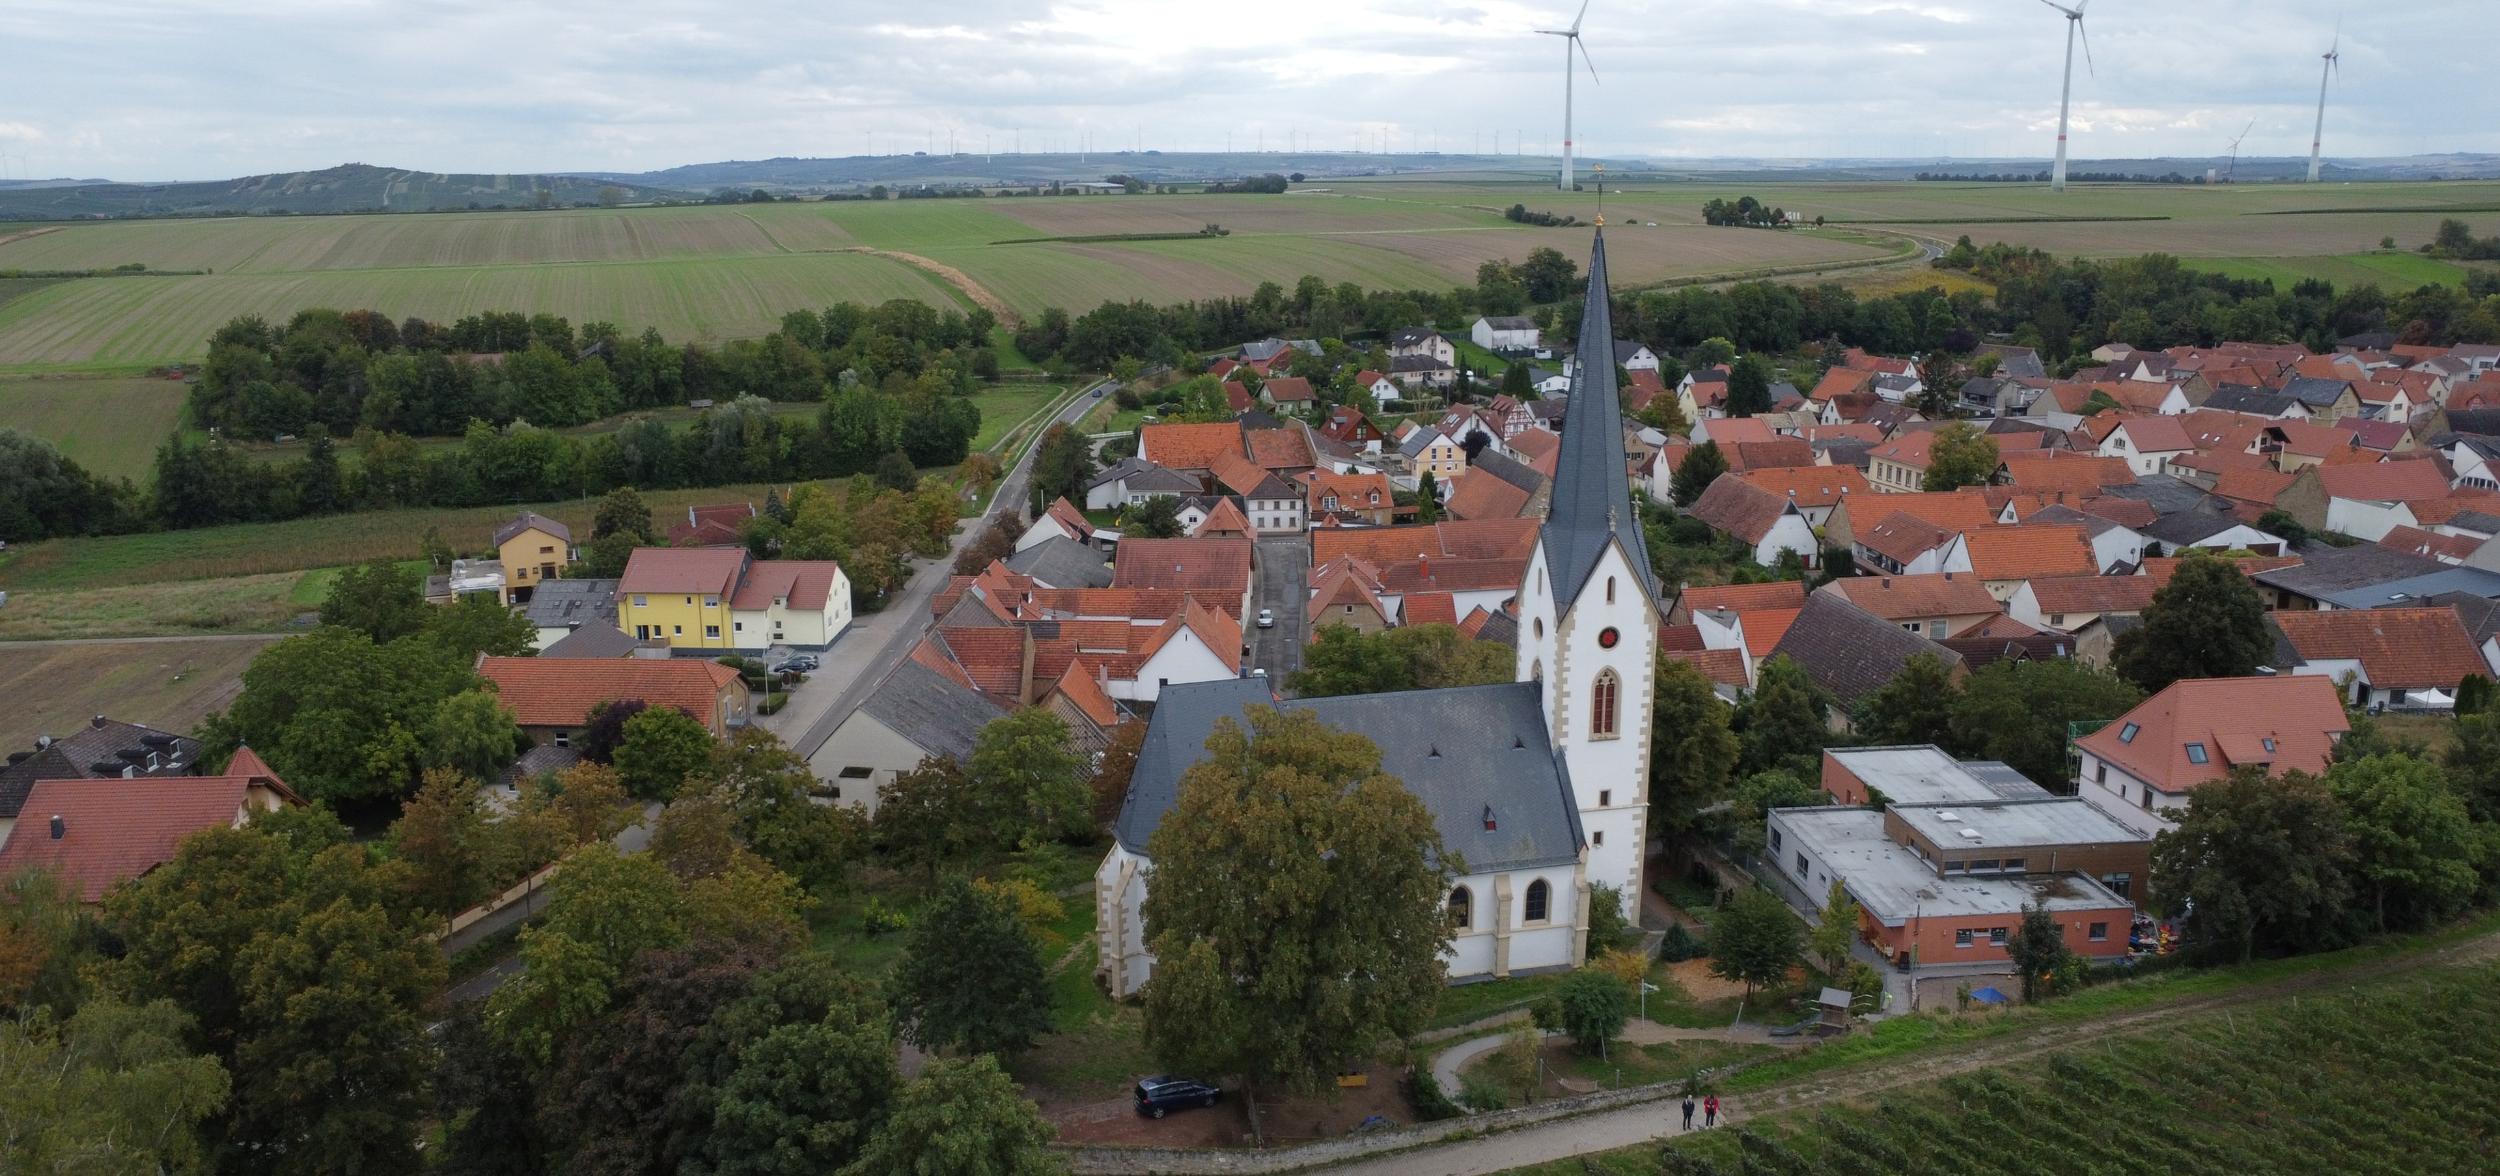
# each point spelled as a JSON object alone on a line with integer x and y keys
{"x": 1482, "y": 1092}
{"x": 1424, "y": 1097}
{"x": 1681, "y": 945}
{"x": 879, "y": 919}
{"x": 1546, "y": 1013}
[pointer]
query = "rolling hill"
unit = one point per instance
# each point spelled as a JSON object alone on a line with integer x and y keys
{"x": 353, "y": 187}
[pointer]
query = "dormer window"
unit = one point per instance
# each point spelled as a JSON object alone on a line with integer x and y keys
{"x": 2126, "y": 734}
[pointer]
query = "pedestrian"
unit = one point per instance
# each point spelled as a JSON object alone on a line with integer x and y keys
{"x": 1688, "y": 1112}
{"x": 1710, "y": 1111}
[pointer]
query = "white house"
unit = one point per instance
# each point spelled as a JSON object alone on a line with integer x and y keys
{"x": 2148, "y": 444}
{"x": 1417, "y": 342}
{"x": 1504, "y": 333}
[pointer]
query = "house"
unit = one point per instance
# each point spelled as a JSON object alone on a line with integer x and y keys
{"x": 1532, "y": 783}
{"x": 533, "y": 549}
{"x": 2328, "y": 399}
{"x": 1937, "y": 605}
{"x": 1478, "y": 561}
{"x": 1272, "y": 502}
{"x": 721, "y": 525}
{"x": 2381, "y": 657}
{"x": 551, "y": 698}
{"x": 1850, "y": 652}
{"x": 1737, "y": 598}
{"x": 1347, "y": 426}
{"x": 1062, "y": 563}
{"x": 2004, "y": 557}
{"x": 1384, "y": 390}
{"x": 1504, "y": 333}
{"x": 1905, "y": 545}
{"x": 1288, "y": 394}
{"x": 2144, "y": 765}
{"x": 924, "y": 708}
{"x": 1427, "y": 450}
{"x": 1947, "y": 886}
{"x": 2068, "y": 603}
{"x": 1422, "y": 343}
{"x": 559, "y": 608}
{"x": 2015, "y": 362}
{"x": 1422, "y": 371}
{"x": 1899, "y": 466}
{"x": 1188, "y": 448}
{"x": 1132, "y": 480}
{"x": 102, "y": 749}
{"x": 1816, "y": 489}
{"x": 95, "y": 834}
{"x": 1770, "y": 525}
{"x": 1498, "y": 487}
{"x": 2148, "y": 444}
{"x": 1223, "y": 520}
{"x": 714, "y": 598}
{"x": 1217, "y": 568}
{"x": 2363, "y": 576}
{"x": 1349, "y": 498}
{"x": 1062, "y": 520}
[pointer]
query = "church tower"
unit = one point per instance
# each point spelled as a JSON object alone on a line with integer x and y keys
{"x": 1589, "y": 614}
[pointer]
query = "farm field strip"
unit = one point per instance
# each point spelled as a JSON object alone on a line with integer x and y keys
{"x": 2394, "y": 271}
{"x": 110, "y": 426}
{"x": 170, "y": 685}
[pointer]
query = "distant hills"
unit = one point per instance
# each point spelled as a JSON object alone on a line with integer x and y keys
{"x": 360, "y": 187}
{"x": 353, "y": 187}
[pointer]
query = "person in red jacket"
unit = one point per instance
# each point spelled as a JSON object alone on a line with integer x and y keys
{"x": 1710, "y": 1111}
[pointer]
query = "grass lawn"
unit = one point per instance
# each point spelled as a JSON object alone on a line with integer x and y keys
{"x": 2434, "y": 733}
{"x": 1109, "y": 417}
{"x": 313, "y": 587}
{"x": 170, "y": 685}
{"x": 1465, "y": 1003}
{"x": 110, "y": 426}
{"x": 2391, "y": 271}
{"x": 242, "y": 604}
{"x": 1487, "y": 366}
{"x": 1004, "y": 407}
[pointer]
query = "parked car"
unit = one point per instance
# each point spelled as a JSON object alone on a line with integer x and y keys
{"x": 1267, "y": 618}
{"x": 1162, "y": 1094}
{"x": 804, "y": 663}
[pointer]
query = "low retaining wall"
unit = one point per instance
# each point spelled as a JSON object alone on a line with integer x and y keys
{"x": 520, "y": 890}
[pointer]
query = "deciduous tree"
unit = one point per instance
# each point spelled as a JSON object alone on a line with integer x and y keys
{"x": 2257, "y": 864}
{"x": 1781, "y": 725}
{"x": 2207, "y": 622}
{"x": 1594, "y": 1008}
{"x": 1112, "y": 772}
{"x": 1831, "y": 939}
{"x": 806, "y": 1097}
{"x": 1915, "y": 707}
{"x": 473, "y": 734}
{"x": 1346, "y": 661}
{"x": 379, "y": 599}
{"x": 961, "y": 1118}
{"x": 1031, "y": 779}
{"x": 1754, "y": 940}
{"x": 441, "y": 834}
{"x": 1297, "y": 905}
{"x": 1960, "y": 456}
{"x": 1693, "y": 750}
{"x": 1748, "y": 387}
{"x": 927, "y": 817}
{"x": 971, "y": 976}
{"x": 662, "y": 746}
{"x": 2023, "y": 712}
{"x": 2037, "y": 950}
{"x": 114, "y": 1089}
{"x": 2414, "y": 844}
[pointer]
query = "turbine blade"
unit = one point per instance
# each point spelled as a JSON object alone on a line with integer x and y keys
{"x": 1575, "y": 21}
{"x": 2068, "y": 12}
{"x": 2086, "y": 30}
{"x": 2080, "y": 5}
{"x": 1584, "y": 58}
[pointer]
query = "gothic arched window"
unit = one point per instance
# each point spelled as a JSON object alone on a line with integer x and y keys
{"x": 1605, "y": 698}
{"x": 1462, "y": 908}
{"x": 1540, "y": 897}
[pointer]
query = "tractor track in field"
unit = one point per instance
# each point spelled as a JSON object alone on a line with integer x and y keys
{"x": 972, "y": 289}
{"x": 6, "y": 238}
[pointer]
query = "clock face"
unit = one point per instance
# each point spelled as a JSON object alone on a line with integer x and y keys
{"x": 1607, "y": 637}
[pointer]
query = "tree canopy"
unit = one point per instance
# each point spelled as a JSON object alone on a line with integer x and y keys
{"x": 971, "y": 976}
{"x": 2207, "y": 622}
{"x": 1960, "y": 456}
{"x": 1344, "y": 660}
{"x": 2023, "y": 712}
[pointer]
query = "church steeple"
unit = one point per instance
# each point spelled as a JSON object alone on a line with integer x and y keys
{"x": 1592, "y": 497}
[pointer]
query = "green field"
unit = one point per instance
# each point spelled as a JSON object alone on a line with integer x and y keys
{"x": 2392, "y": 271}
{"x": 110, "y": 426}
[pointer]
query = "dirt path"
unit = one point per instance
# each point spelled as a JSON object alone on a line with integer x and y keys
{"x": 1648, "y": 1122}
{"x": 21, "y": 235}
{"x": 978, "y": 293}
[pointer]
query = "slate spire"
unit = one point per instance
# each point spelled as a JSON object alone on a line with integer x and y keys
{"x": 1592, "y": 496}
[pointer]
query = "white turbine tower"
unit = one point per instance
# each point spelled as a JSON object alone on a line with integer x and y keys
{"x": 1571, "y": 42}
{"x": 2065, "y": 96}
{"x": 2332, "y": 65}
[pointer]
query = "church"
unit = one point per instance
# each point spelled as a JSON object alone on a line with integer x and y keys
{"x": 1540, "y": 786}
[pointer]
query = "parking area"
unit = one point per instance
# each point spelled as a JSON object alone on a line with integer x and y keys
{"x": 1281, "y": 585}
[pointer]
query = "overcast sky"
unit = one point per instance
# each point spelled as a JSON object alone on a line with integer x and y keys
{"x": 168, "y": 89}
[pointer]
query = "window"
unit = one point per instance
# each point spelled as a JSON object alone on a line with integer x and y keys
{"x": 738, "y": 626}
{"x": 1606, "y": 796}
{"x": 1952, "y": 867}
{"x": 853, "y": 772}
{"x": 642, "y": 602}
{"x": 2196, "y": 753}
{"x": 2268, "y": 741}
{"x": 2100, "y": 773}
{"x": 1961, "y": 938}
{"x": 1610, "y": 589}
{"x": 1603, "y": 700}
{"x": 2097, "y": 932}
{"x": 2015, "y": 865}
{"x": 678, "y": 630}
{"x": 564, "y": 739}
{"x": 1540, "y": 896}
{"x": 2126, "y": 734}
{"x": 2058, "y": 619}
{"x": 1996, "y": 936}
{"x": 1801, "y": 863}
{"x": 1983, "y": 865}
{"x": 1775, "y": 840}
{"x": 1462, "y": 908}
{"x": 1598, "y": 837}
{"x": 2119, "y": 884}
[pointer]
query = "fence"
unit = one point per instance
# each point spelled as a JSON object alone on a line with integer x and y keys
{"x": 522, "y": 889}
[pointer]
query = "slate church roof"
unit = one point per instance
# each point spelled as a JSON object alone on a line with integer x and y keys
{"x": 1592, "y": 497}
{"x": 1463, "y": 751}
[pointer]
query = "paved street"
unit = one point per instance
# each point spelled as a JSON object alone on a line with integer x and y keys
{"x": 875, "y": 643}
{"x": 1282, "y": 584}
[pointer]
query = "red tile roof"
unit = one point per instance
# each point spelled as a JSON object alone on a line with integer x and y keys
{"x": 1954, "y": 510}
{"x": 2030, "y": 550}
{"x": 113, "y": 830}
{"x": 1236, "y": 395}
{"x": 1744, "y": 598}
{"x": 1222, "y": 564}
{"x": 1429, "y": 608}
{"x": 1840, "y": 381}
{"x": 1287, "y": 390}
{"x": 2156, "y": 434}
{"x": 1735, "y": 430}
{"x": 1765, "y": 626}
{"x": 806, "y": 584}
{"x": 1187, "y": 447}
{"x": 1723, "y": 666}
{"x": 2253, "y": 485}
{"x": 2416, "y": 541}
{"x": 711, "y": 526}
{"x": 2039, "y": 472}
{"x": 1776, "y": 453}
{"x": 2388, "y": 481}
{"x": 2398, "y": 648}
{"x": 1810, "y": 486}
{"x": 1902, "y": 536}
{"x": 1903, "y": 598}
{"x": 1281, "y": 449}
{"x": 560, "y": 692}
{"x": 1078, "y": 683}
{"x": 2060, "y": 596}
{"x": 2231, "y": 719}
{"x": 695, "y": 571}
{"x": 1510, "y": 539}
{"x": 1225, "y": 520}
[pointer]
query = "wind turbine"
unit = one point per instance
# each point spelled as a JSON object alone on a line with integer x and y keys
{"x": 2235, "y": 150}
{"x": 1571, "y": 41}
{"x": 2065, "y": 96}
{"x": 2332, "y": 58}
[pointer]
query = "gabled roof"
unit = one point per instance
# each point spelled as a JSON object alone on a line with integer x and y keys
{"x": 1496, "y": 487}
{"x": 2070, "y": 595}
{"x": 1954, "y": 510}
{"x": 555, "y": 604}
{"x": 560, "y": 692}
{"x": 2316, "y": 392}
{"x": 1849, "y": 651}
{"x": 1182, "y": 563}
{"x": 2156, "y": 434}
{"x": 1287, "y": 390}
{"x": 1903, "y": 598}
{"x": 696, "y": 571}
{"x": 527, "y": 520}
{"x": 2023, "y": 552}
{"x": 806, "y": 584}
{"x": 2065, "y": 471}
{"x": 1285, "y": 448}
{"x": 1902, "y": 536}
{"x": 1592, "y": 500}
{"x": 2387, "y": 481}
{"x": 2282, "y": 723}
{"x": 1062, "y": 563}
{"x": 929, "y": 701}
{"x": 1225, "y": 519}
{"x": 113, "y": 830}
{"x": 1428, "y": 608}
{"x": 595, "y": 641}
{"x": 1187, "y": 447}
{"x": 1810, "y": 486}
{"x": 711, "y": 526}
{"x": 2416, "y": 541}
{"x": 1744, "y": 598}
{"x": 1738, "y": 508}
{"x": 1469, "y": 539}
{"x": 100, "y": 747}
{"x": 2398, "y": 648}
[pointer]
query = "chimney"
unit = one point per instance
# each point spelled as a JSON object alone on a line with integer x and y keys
{"x": 96, "y": 722}
{"x": 60, "y": 828}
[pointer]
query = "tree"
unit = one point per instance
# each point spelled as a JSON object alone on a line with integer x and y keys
{"x": 925, "y": 817}
{"x": 441, "y": 834}
{"x": 971, "y": 976}
{"x": 2038, "y": 949}
{"x": 339, "y": 717}
{"x": 961, "y": 1118}
{"x": 1608, "y": 929}
{"x": 1062, "y": 464}
{"x": 774, "y": 813}
{"x": 623, "y": 512}
{"x": 1960, "y": 456}
{"x": 114, "y": 1089}
{"x": 1830, "y": 939}
{"x": 1411, "y": 657}
{"x": 2207, "y": 622}
{"x": 2257, "y": 864}
{"x": 1695, "y": 471}
{"x": 693, "y": 836}
{"x": 1158, "y": 517}
{"x": 1748, "y": 387}
{"x": 605, "y": 731}
{"x": 662, "y": 746}
{"x": 806, "y": 1096}
{"x": 2473, "y": 764}
{"x": 1915, "y": 707}
{"x": 1030, "y": 777}
{"x": 476, "y": 624}
{"x": 1695, "y": 752}
{"x": 1297, "y": 909}
{"x": 622, "y": 1095}
{"x": 1781, "y": 725}
{"x": 1427, "y": 498}
{"x": 1112, "y": 772}
{"x": 2414, "y": 844}
{"x": 1594, "y": 1008}
{"x": 1740, "y": 823}
{"x": 319, "y": 487}
{"x": 2022, "y": 712}
{"x": 1755, "y": 940}
{"x": 606, "y": 908}
{"x": 378, "y": 599}
{"x": 46, "y": 942}
{"x": 471, "y": 733}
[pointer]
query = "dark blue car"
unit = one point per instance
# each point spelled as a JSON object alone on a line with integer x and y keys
{"x": 1159, "y": 1095}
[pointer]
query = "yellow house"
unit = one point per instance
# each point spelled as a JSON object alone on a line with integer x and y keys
{"x": 721, "y": 598}
{"x": 533, "y": 548}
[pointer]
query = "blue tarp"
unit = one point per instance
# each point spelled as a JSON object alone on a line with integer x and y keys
{"x": 1990, "y": 995}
